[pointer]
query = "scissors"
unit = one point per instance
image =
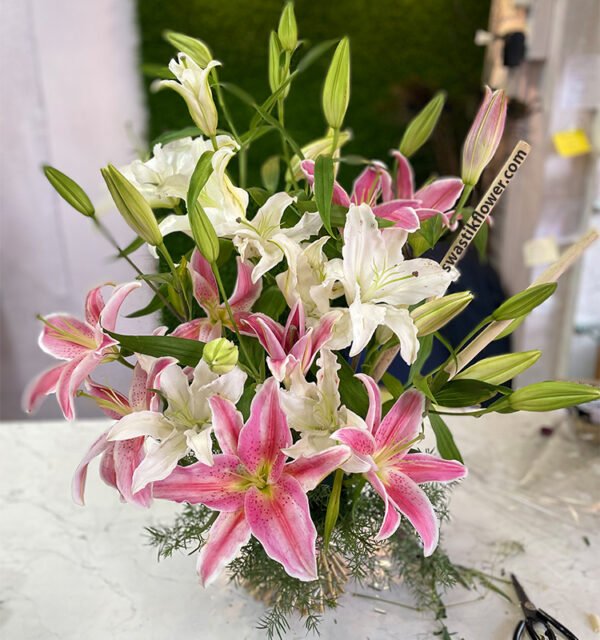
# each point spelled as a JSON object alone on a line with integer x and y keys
{"x": 535, "y": 616}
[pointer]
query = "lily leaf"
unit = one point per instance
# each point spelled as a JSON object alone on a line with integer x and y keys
{"x": 324, "y": 189}
{"x": 188, "y": 352}
{"x": 444, "y": 439}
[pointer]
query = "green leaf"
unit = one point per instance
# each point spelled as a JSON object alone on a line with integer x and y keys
{"x": 157, "y": 71}
{"x": 170, "y": 136}
{"x": 524, "y": 302}
{"x": 425, "y": 347}
{"x": 271, "y": 302}
{"x": 333, "y": 507}
{"x": 187, "y": 352}
{"x": 69, "y": 191}
{"x": 324, "y": 189}
{"x": 312, "y": 55}
{"x": 444, "y": 440}
{"x": 200, "y": 176}
{"x": 269, "y": 173}
{"x": 156, "y": 304}
{"x": 464, "y": 393}
{"x": 392, "y": 384}
{"x": 132, "y": 247}
{"x": 338, "y": 216}
{"x": 260, "y": 196}
{"x": 352, "y": 390}
{"x": 480, "y": 242}
{"x": 420, "y": 383}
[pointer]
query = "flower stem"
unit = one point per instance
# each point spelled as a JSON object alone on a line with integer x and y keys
{"x": 179, "y": 286}
{"x": 462, "y": 201}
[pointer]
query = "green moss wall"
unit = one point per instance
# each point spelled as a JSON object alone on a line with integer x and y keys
{"x": 402, "y": 52}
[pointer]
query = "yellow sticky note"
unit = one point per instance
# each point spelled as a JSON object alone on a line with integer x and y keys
{"x": 571, "y": 143}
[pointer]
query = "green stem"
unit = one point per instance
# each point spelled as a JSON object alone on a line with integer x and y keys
{"x": 336, "y": 137}
{"x": 284, "y": 144}
{"x": 179, "y": 286}
{"x": 215, "y": 145}
{"x": 333, "y": 508}
{"x": 122, "y": 360}
{"x": 464, "y": 196}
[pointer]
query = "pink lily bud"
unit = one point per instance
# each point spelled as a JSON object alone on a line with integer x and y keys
{"x": 484, "y": 136}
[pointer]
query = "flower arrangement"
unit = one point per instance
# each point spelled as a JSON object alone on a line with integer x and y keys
{"x": 264, "y": 404}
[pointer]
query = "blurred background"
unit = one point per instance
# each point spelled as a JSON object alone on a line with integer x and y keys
{"x": 75, "y": 95}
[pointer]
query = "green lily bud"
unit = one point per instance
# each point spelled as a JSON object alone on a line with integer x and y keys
{"x": 336, "y": 90}
{"x": 192, "y": 47}
{"x": 499, "y": 369}
{"x": 288, "y": 29}
{"x": 203, "y": 233}
{"x": 433, "y": 315}
{"x": 221, "y": 355}
{"x": 69, "y": 191}
{"x": 422, "y": 125}
{"x": 132, "y": 206}
{"x": 547, "y": 396}
{"x": 275, "y": 66}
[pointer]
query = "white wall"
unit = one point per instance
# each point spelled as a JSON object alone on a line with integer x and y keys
{"x": 70, "y": 97}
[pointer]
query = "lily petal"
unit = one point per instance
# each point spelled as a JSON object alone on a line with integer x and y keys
{"x": 141, "y": 423}
{"x": 66, "y": 337}
{"x": 201, "y": 329}
{"x": 404, "y": 216}
{"x": 246, "y": 291}
{"x": 340, "y": 195}
{"x": 79, "y": 477}
{"x": 270, "y": 340}
{"x": 110, "y": 313}
{"x": 391, "y": 518}
{"x": 441, "y": 194}
{"x": 309, "y": 471}
{"x": 94, "y": 303}
{"x": 205, "y": 286}
{"x": 373, "y": 418}
{"x": 111, "y": 402}
{"x": 422, "y": 467}
{"x": 405, "y": 178}
{"x": 402, "y": 422}
{"x": 227, "y": 423}
{"x": 71, "y": 377}
{"x": 159, "y": 461}
{"x": 229, "y": 533}
{"x": 279, "y": 518}
{"x": 41, "y": 386}
{"x": 361, "y": 442}
{"x": 127, "y": 456}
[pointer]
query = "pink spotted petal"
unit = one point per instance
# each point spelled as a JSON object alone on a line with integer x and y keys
{"x": 152, "y": 400}
{"x": 71, "y": 377}
{"x": 391, "y": 518}
{"x": 79, "y": 477}
{"x": 66, "y": 337}
{"x": 110, "y": 313}
{"x": 227, "y": 423}
{"x": 201, "y": 329}
{"x": 402, "y": 422}
{"x": 311, "y": 470}
{"x": 269, "y": 336}
{"x": 302, "y": 350}
{"x": 217, "y": 486}
{"x": 111, "y": 402}
{"x": 295, "y": 326}
{"x": 360, "y": 441}
{"x": 206, "y": 291}
{"x": 127, "y": 456}
{"x": 279, "y": 517}
{"x": 373, "y": 418}
{"x": 107, "y": 466}
{"x": 404, "y": 216}
{"x": 413, "y": 503}
{"x": 405, "y": 178}
{"x": 41, "y": 386}
{"x": 94, "y": 303}
{"x": 266, "y": 433}
{"x": 340, "y": 195}
{"x": 246, "y": 292}
{"x": 229, "y": 533}
{"x": 422, "y": 467}
{"x": 441, "y": 194}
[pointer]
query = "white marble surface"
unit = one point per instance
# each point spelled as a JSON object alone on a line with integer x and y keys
{"x": 71, "y": 573}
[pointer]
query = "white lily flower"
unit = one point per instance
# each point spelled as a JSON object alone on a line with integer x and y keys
{"x": 192, "y": 85}
{"x": 315, "y": 411}
{"x": 264, "y": 237}
{"x": 184, "y": 425}
{"x": 379, "y": 284}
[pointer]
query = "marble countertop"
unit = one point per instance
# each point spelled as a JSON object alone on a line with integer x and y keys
{"x": 70, "y": 573}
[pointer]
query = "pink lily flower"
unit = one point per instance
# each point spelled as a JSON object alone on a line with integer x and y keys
{"x": 257, "y": 492}
{"x": 293, "y": 345}
{"x": 206, "y": 293}
{"x": 405, "y": 208}
{"x": 394, "y": 473}
{"x": 121, "y": 458}
{"x": 83, "y": 344}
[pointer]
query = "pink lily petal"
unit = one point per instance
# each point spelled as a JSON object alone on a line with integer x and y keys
{"x": 107, "y": 466}
{"x": 246, "y": 292}
{"x": 266, "y": 336}
{"x": 441, "y": 194}
{"x": 425, "y": 214}
{"x": 227, "y": 423}
{"x": 391, "y": 518}
{"x": 404, "y": 217}
{"x": 79, "y": 477}
{"x": 279, "y": 518}
{"x": 112, "y": 402}
{"x": 66, "y": 337}
{"x": 373, "y": 418}
{"x": 94, "y": 303}
{"x": 139, "y": 395}
{"x": 217, "y": 487}
{"x": 294, "y": 326}
{"x": 422, "y": 467}
{"x": 110, "y": 313}
{"x": 229, "y": 533}
{"x": 413, "y": 503}
{"x": 71, "y": 377}
{"x": 127, "y": 456}
{"x": 40, "y": 387}
{"x": 340, "y": 195}
{"x": 405, "y": 179}
{"x": 311, "y": 470}
{"x": 369, "y": 184}
{"x": 266, "y": 433}
{"x": 402, "y": 422}
{"x": 206, "y": 291}
{"x": 359, "y": 440}
{"x": 201, "y": 329}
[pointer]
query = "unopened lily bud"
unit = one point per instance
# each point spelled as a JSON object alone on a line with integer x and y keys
{"x": 547, "y": 396}
{"x": 221, "y": 355}
{"x": 288, "y": 29}
{"x": 484, "y": 136}
{"x": 336, "y": 90}
{"x": 70, "y": 191}
{"x": 132, "y": 205}
{"x": 422, "y": 125}
{"x": 499, "y": 369}
{"x": 192, "y": 47}
{"x": 433, "y": 315}
{"x": 319, "y": 147}
{"x": 203, "y": 233}
{"x": 193, "y": 86}
{"x": 278, "y": 73}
